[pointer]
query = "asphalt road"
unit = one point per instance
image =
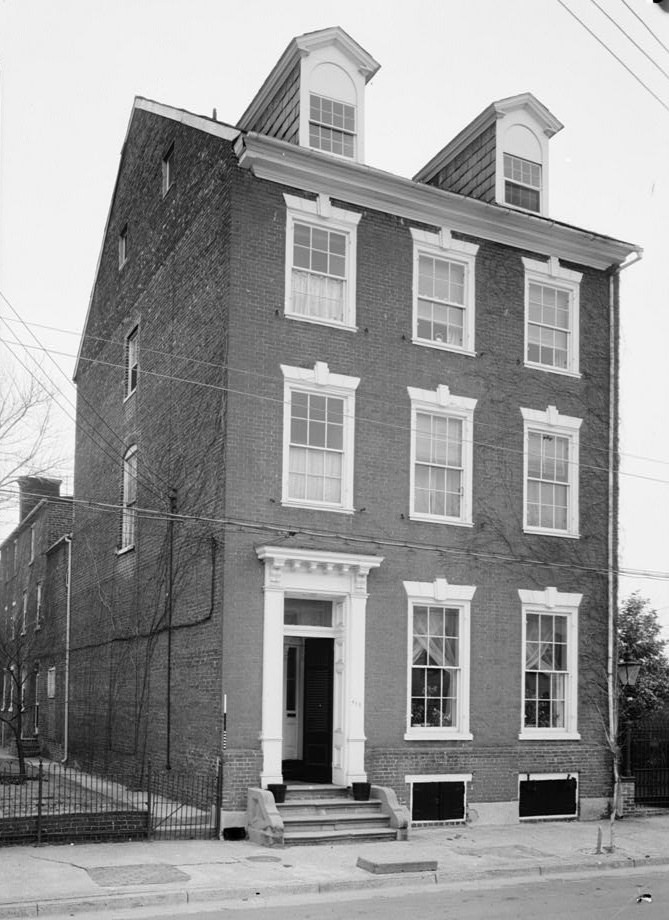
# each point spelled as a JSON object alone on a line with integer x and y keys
{"x": 613, "y": 896}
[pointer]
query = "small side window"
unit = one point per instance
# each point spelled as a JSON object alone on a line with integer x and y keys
{"x": 168, "y": 170}
{"x": 131, "y": 361}
{"x": 123, "y": 247}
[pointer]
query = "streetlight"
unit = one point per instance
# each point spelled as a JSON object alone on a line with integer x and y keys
{"x": 628, "y": 673}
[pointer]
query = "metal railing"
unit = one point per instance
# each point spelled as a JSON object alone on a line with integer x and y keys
{"x": 56, "y": 801}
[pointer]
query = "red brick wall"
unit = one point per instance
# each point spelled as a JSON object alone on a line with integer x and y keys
{"x": 205, "y": 279}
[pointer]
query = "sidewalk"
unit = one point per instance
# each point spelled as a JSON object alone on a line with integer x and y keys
{"x": 74, "y": 879}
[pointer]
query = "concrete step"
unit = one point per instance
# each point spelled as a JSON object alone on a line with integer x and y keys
{"x": 333, "y": 822}
{"x": 328, "y": 806}
{"x": 316, "y": 791}
{"x": 351, "y": 835}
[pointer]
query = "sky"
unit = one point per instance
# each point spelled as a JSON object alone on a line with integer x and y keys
{"x": 69, "y": 71}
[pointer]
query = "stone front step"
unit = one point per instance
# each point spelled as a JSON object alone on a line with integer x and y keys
{"x": 348, "y": 835}
{"x": 315, "y": 814}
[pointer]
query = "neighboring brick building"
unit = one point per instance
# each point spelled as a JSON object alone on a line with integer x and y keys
{"x": 34, "y": 605}
{"x": 345, "y": 458}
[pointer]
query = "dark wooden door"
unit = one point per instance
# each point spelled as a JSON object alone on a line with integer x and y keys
{"x": 318, "y": 670}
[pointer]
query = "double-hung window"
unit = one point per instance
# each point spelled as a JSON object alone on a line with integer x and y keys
{"x": 441, "y": 456}
{"x": 123, "y": 246}
{"x": 551, "y": 471}
{"x": 129, "y": 499}
{"x": 38, "y": 606}
{"x": 551, "y": 317}
{"x": 438, "y": 660}
{"x": 443, "y": 291}
{"x": 168, "y": 170}
{"x": 319, "y": 411}
{"x": 522, "y": 183}
{"x": 550, "y": 664}
{"x": 131, "y": 361}
{"x": 331, "y": 125}
{"x": 320, "y": 262}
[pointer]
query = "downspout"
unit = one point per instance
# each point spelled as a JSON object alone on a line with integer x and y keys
{"x": 612, "y": 562}
{"x": 68, "y": 612}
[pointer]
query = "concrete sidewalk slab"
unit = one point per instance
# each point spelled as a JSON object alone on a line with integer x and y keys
{"x": 88, "y": 878}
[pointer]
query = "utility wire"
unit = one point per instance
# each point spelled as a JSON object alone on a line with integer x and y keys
{"x": 613, "y": 54}
{"x": 146, "y": 349}
{"x": 644, "y": 24}
{"x": 366, "y": 539}
{"x": 629, "y": 38}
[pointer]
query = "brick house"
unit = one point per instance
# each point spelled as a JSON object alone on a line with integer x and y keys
{"x": 34, "y": 561}
{"x": 345, "y": 458}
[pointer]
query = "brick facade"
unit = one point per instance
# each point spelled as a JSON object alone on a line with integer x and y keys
{"x": 165, "y": 631}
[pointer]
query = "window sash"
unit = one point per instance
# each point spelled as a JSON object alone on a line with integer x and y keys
{"x": 131, "y": 361}
{"x": 547, "y": 675}
{"x": 319, "y": 273}
{"x": 438, "y": 465}
{"x": 331, "y": 126}
{"x": 129, "y": 514}
{"x": 548, "y": 480}
{"x": 435, "y": 667}
{"x": 316, "y": 448}
{"x": 549, "y": 326}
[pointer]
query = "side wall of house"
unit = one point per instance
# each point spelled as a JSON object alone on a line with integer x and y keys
{"x": 145, "y": 668}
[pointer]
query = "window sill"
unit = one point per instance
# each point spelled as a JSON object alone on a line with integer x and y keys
{"x": 563, "y": 534}
{"x": 310, "y": 506}
{"x": 547, "y": 369}
{"x": 433, "y": 519}
{"x": 315, "y": 321}
{"x": 437, "y": 734}
{"x": 442, "y": 346}
{"x": 549, "y": 734}
{"x": 121, "y": 551}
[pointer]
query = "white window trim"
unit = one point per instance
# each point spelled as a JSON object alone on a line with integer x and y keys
{"x": 321, "y": 381}
{"x": 566, "y": 426}
{"x": 354, "y": 134}
{"x": 321, "y": 213}
{"x": 442, "y": 402}
{"x": 123, "y": 246}
{"x": 555, "y": 602}
{"x": 441, "y": 245}
{"x": 32, "y": 544}
{"x": 440, "y": 593}
{"x": 24, "y": 613}
{"x": 167, "y": 170}
{"x": 553, "y": 274}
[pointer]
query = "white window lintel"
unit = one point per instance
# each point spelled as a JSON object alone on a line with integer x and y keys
{"x": 551, "y": 418}
{"x": 322, "y": 208}
{"x": 441, "y": 398}
{"x": 551, "y": 270}
{"x": 318, "y": 376}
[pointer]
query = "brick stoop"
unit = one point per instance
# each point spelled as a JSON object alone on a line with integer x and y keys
{"x": 329, "y": 814}
{"x": 31, "y": 747}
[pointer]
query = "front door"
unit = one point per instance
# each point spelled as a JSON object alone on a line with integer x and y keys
{"x": 317, "y": 738}
{"x": 307, "y": 709}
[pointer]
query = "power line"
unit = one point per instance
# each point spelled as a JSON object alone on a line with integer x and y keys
{"x": 291, "y": 530}
{"x": 629, "y": 38}
{"x": 613, "y": 54}
{"x": 644, "y": 24}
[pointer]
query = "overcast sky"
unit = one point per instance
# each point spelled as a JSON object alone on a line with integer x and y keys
{"x": 70, "y": 69}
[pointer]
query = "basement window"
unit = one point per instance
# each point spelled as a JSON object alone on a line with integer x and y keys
{"x": 438, "y": 799}
{"x": 548, "y": 795}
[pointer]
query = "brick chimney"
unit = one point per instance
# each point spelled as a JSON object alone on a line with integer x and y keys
{"x": 32, "y": 489}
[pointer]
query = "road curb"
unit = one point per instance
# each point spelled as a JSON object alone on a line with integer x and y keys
{"x": 122, "y": 900}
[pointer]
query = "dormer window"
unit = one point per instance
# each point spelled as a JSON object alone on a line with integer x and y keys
{"x": 522, "y": 183}
{"x": 331, "y": 125}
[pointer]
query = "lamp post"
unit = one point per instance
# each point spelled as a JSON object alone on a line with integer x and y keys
{"x": 628, "y": 673}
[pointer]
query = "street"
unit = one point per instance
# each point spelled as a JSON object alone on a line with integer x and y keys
{"x": 612, "y": 896}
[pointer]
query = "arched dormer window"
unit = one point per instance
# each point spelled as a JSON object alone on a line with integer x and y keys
{"x": 333, "y": 111}
{"x": 523, "y": 166}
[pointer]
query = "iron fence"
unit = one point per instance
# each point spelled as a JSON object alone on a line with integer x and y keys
{"x": 650, "y": 766}
{"x": 52, "y": 801}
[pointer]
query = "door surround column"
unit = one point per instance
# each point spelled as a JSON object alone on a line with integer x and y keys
{"x": 342, "y": 577}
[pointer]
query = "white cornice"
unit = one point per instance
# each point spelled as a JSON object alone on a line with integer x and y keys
{"x": 366, "y": 187}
